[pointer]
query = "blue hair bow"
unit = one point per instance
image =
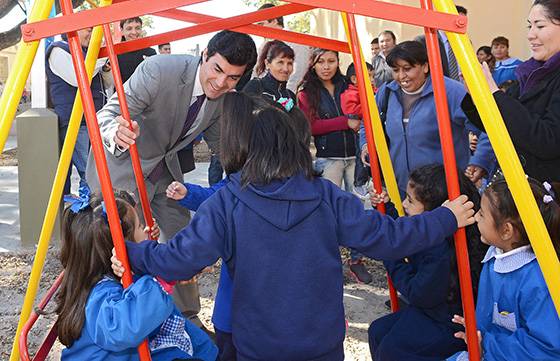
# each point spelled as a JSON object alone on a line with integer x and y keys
{"x": 81, "y": 201}
{"x": 287, "y": 103}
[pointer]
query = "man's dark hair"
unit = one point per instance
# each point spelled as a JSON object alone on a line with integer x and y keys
{"x": 461, "y": 10}
{"x": 279, "y": 19}
{"x": 500, "y": 40}
{"x": 135, "y": 19}
{"x": 413, "y": 52}
{"x": 375, "y": 41}
{"x": 238, "y": 49}
{"x": 262, "y": 140}
{"x": 162, "y": 45}
{"x": 390, "y": 33}
{"x": 351, "y": 71}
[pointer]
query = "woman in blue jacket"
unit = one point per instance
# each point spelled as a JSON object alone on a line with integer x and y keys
{"x": 411, "y": 120}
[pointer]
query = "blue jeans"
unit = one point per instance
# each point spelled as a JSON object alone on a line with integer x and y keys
{"x": 215, "y": 170}
{"x": 79, "y": 156}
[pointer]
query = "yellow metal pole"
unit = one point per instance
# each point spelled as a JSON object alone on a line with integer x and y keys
{"x": 507, "y": 156}
{"x": 56, "y": 192}
{"x": 378, "y": 134}
{"x": 18, "y": 75}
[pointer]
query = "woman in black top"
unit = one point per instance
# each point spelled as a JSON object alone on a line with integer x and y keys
{"x": 276, "y": 62}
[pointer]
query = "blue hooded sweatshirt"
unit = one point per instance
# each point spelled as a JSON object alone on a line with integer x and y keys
{"x": 281, "y": 243}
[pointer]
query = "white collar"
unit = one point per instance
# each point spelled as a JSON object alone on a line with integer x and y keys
{"x": 509, "y": 261}
{"x": 417, "y": 91}
{"x": 197, "y": 89}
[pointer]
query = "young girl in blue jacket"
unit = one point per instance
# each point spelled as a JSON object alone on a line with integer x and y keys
{"x": 278, "y": 228}
{"x": 97, "y": 318}
{"x": 515, "y": 314}
{"x": 428, "y": 280}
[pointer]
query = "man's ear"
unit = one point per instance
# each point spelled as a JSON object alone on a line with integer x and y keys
{"x": 204, "y": 55}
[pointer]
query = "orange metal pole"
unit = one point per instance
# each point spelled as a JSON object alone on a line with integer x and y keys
{"x": 100, "y": 161}
{"x": 271, "y": 33}
{"x": 373, "y": 161}
{"x": 452, "y": 179}
{"x": 136, "y": 166}
{"x": 206, "y": 27}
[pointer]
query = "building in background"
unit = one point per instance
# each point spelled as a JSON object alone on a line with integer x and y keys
{"x": 487, "y": 19}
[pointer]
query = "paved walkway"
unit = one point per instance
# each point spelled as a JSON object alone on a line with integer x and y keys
{"x": 9, "y": 200}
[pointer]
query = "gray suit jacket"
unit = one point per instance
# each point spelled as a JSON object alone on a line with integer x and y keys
{"x": 158, "y": 95}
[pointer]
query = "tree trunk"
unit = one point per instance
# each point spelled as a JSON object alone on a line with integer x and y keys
{"x": 13, "y": 36}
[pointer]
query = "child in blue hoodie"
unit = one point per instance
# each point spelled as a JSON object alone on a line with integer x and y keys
{"x": 191, "y": 196}
{"x": 277, "y": 227}
{"x": 428, "y": 280}
{"x": 515, "y": 315}
{"x": 97, "y": 318}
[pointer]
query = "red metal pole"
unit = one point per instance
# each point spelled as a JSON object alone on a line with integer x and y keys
{"x": 452, "y": 179}
{"x": 101, "y": 15}
{"x": 373, "y": 161}
{"x": 45, "y": 347}
{"x": 210, "y": 26}
{"x": 136, "y": 166}
{"x": 280, "y": 34}
{"x": 393, "y": 12}
{"x": 100, "y": 161}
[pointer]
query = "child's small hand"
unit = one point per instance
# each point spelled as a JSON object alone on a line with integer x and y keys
{"x": 461, "y": 321}
{"x": 176, "y": 191}
{"x": 153, "y": 232}
{"x": 354, "y": 124}
{"x": 377, "y": 198}
{"x": 463, "y": 210}
{"x": 116, "y": 265}
{"x": 364, "y": 154}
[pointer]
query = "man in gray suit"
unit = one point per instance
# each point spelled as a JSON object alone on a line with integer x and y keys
{"x": 172, "y": 99}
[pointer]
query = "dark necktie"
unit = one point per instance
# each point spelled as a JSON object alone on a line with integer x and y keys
{"x": 192, "y": 114}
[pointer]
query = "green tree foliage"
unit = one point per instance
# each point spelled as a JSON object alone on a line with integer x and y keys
{"x": 297, "y": 22}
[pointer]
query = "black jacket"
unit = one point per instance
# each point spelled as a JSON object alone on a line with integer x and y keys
{"x": 128, "y": 62}
{"x": 269, "y": 87}
{"x": 533, "y": 123}
{"x": 334, "y": 144}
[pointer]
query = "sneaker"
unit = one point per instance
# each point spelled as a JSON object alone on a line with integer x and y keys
{"x": 360, "y": 272}
{"x": 402, "y": 303}
{"x": 361, "y": 192}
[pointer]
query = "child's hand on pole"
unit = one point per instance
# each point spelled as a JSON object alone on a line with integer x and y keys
{"x": 461, "y": 321}
{"x": 377, "y": 198}
{"x": 463, "y": 210}
{"x": 152, "y": 233}
{"x": 116, "y": 265}
{"x": 176, "y": 191}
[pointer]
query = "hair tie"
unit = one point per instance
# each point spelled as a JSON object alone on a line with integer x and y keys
{"x": 80, "y": 202}
{"x": 547, "y": 199}
{"x": 547, "y": 186}
{"x": 104, "y": 211}
{"x": 287, "y": 103}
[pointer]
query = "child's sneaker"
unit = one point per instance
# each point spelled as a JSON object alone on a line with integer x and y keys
{"x": 361, "y": 192}
{"x": 360, "y": 272}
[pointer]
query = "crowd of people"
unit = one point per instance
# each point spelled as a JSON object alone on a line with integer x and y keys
{"x": 279, "y": 217}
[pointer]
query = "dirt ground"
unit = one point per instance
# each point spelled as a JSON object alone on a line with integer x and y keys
{"x": 363, "y": 303}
